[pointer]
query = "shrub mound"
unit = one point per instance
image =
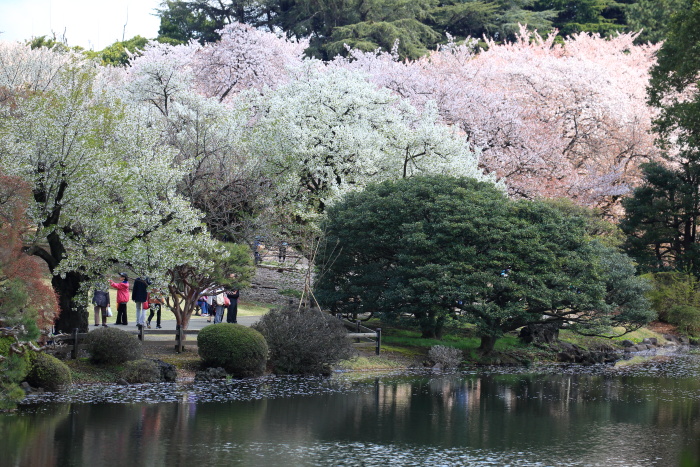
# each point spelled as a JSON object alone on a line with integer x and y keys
{"x": 239, "y": 350}
{"x": 448, "y": 357}
{"x": 304, "y": 342}
{"x": 141, "y": 371}
{"x": 48, "y": 372}
{"x": 112, "y": 346}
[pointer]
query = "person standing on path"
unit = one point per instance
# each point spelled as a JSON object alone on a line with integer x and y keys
{"x": 139, "y": 295}
{"x": 220, "y": 303}
{"x": 100, "y": 299}
{"x": 122, "y": 297}
{"x": 232, "y": 309}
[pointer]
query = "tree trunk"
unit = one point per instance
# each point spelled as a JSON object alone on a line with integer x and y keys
{"x": 487, "y": 343}
{"x": 431, "y": 325}
{"x": 74, "y": 315}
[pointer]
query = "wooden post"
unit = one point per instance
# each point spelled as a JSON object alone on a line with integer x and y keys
{"x": 74, "y": 353}
{"x": 379, "y": 339}
{"x": 141, "y": 333}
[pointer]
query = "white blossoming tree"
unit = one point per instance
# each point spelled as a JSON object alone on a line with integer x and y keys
{"x": 328, "y": 132}
{"x": 103, "y": 184}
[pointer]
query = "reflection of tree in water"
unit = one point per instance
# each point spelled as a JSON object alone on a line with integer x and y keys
{"x": 582, "y": 416}
{"x": 26, "y": 440}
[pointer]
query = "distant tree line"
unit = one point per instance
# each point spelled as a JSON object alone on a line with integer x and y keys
{"x": 416, "y": 26}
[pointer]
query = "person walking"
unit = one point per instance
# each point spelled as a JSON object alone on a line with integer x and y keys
{"x": 139, "y": 295}
{"x": 100, "y": 298}
{"x": 155, "y": 304}
{"x": 122, "y": 297}
{"x": 282, "y": 253}
{"x": 232, "y": 309}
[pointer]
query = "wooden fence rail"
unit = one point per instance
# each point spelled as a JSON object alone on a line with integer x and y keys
{"x": 75, "y": 340}
{"x": 362, "y": 335}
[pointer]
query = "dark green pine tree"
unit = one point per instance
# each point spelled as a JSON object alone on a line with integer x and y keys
{"x": 662, "y": 215}
{"x": 652, "y": 18}
{"x": 440, "y": 249}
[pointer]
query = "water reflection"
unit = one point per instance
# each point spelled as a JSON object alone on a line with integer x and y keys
{"x": 485, "y": 418}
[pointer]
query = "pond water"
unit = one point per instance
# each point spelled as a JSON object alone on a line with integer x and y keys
{"x": 549, "y": 415}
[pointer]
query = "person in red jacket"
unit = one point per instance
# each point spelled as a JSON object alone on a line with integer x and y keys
{"x": 122, "y": 297}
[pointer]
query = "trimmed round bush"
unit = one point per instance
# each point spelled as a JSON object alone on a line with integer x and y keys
{"x": 141, "y": 371}
{"x": 48, "y": 372}
{"x": 239, "y": 350}
{"x": 113, "y": 346}
{"x": 306, "y": 341}
{"x": 686, "y": 317}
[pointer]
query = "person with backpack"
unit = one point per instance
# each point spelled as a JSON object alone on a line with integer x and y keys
{"x": 100, "y": 299}
{"x": 221, "y": 302}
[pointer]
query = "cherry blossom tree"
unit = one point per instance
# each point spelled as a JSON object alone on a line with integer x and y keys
{"x": 551, "y": 119}
{"x": 244, "y": 58}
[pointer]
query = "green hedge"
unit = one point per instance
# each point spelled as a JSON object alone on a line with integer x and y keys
{"x": 239, "y": 350}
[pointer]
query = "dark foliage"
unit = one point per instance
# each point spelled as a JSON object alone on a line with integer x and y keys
{"x": 441, "y": 248}
{"x": 306, "y": 341}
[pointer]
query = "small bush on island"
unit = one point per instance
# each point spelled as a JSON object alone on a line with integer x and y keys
{"x": 141, "y": 371}
{"x": 112, "y": 346}
{"x": 304, "y": 342}
{"x": 239, "y": 350}
{"x": 48, "y": 372}
{"x": 447, "y": 357}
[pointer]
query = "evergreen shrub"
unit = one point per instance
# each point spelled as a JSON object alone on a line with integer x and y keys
{"x": 687, "y": 318}
{"x": 113, "y": 346}
{"x": 13, "y": 370}
{"x": 48, "y": 372}
{"x": 141, "y": 371}
{"x": 306, "y": 341}
{"x": 239, "y": 350}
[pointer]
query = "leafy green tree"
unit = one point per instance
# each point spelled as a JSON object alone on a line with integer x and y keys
{"x": 185, "y": 20}
{"x": 651, "y": 17}
{"x": 226, "y": 267}
{"x": 662, "y": 215}
{"x": 661, "y": 219}
{"x": 673, "y": 85}
{"x": 117, "y": 54}
{"x": 596, "y": 16}
{"x": 440, "y": 249}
